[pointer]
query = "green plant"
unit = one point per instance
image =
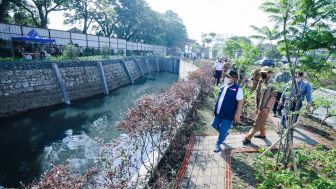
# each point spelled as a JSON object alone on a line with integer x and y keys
{"x": 324, "y": 103}
{"x": 315, "y": 169}
{"x": 105, "y": 52}
{"x": 70, "y": 52}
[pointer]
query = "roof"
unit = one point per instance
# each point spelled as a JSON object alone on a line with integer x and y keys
{"x": 33, "y": 36}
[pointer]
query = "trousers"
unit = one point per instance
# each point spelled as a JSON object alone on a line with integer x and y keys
{"x": 259, "y": 125}
{"x": 222, "y": 126}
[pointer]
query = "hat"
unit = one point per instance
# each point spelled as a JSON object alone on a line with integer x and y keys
{"x": 266, "y": 69}
{"x": 232, "y": 73}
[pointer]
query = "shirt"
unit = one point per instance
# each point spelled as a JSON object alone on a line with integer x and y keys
{"x": 265, "y": 90}
{"x": 240, "y": 96}
{"x": 219, "y": 66}
{"x": 305, "y": 89}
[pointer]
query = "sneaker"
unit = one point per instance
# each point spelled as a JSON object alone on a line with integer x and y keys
{"x": 246, "y": 142}
{"x": 217, "y": 148}
{"x": 259, "y": 136}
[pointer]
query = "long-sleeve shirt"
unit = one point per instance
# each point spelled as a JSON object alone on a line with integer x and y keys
{"x": 305, "y": 90}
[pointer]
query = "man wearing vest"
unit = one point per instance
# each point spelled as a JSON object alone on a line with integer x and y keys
{"x": 228, "y": 107}
{"x": 265, "y": 98}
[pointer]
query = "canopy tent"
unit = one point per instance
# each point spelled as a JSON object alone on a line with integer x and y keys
{"x": 33, "y": 36}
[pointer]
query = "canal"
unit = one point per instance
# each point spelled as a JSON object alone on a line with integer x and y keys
{"x": 31, "y": 142}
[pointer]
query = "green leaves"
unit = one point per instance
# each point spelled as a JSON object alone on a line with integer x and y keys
{"x": 316, "y": 169}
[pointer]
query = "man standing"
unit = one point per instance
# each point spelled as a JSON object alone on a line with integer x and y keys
{"x": 305, "y": 91}
{"x": 265, "y": 97}
{"x": 228, "y": 107}
{"x": 218, "y": 70}
{"x": 280, "y": 78}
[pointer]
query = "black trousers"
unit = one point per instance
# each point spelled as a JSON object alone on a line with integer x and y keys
{"x": 296, "y": 116}
{"x": 278, "y": 106}
{"x": 218, "y": 75}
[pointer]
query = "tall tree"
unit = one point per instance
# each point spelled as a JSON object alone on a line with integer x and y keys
{"x": 105, "y": 18}
{"x": 175, "y": 31}
{"x": 129, "y": 14}
{"x": 4, "y": 10}
{"x": 265, "y": 33}
{"x": 39, "y": 10}
{"x": 83, "y": 12}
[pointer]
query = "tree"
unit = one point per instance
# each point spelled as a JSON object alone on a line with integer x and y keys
{"x": 39, "y": 10}
{"x": 4, "y": 10}
{"x": 129, "y": 16}
{"x": 84, "y": 12}
{"x": 207, "y": 38}
{"x": 105, "y": 18}
{"x": 306, "y": 29}
{"x": 174, "y": 30}
{"x": 265, "y": 33}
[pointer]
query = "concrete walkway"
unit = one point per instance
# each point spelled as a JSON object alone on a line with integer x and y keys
{"x": 185, "y": 69}
{"x": 207, "y": 169}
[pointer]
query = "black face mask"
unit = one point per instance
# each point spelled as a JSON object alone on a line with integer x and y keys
{"x": 263, "y": 75}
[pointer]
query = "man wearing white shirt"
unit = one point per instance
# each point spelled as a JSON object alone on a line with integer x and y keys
{"x": 218, "y": 70}
{"x": 228, "y": 107}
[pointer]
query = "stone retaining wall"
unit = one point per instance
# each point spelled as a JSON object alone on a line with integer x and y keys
{"x": 30, "y": 85}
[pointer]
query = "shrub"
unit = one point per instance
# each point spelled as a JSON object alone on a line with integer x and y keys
{"x": 70, "y": 52}
{"x": 316, "y": 168}
{"x": 105, "y": 52}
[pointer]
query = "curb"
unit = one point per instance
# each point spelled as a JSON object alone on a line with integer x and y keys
{"x": 184, "y": 165}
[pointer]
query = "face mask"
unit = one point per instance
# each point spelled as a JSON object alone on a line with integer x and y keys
{"x": 263, "y": 75}
{"x": 230, "y": 80}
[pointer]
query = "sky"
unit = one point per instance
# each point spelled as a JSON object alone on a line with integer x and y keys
{"x": 232, "y": 17}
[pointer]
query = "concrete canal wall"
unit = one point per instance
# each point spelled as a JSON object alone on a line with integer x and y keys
{"x": 29, "y": 85}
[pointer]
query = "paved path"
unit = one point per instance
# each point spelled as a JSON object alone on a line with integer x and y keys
{"x": 185, "y": 68}
{"x": 207, "y": 169}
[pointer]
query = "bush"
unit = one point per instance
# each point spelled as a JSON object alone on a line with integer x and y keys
{"x": 315, "y": 169}
{"x": 70, "y": 52}
{"x": 105, "y": 52}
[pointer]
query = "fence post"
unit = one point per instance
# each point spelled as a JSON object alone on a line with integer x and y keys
{"x": 70, "y": 37}
{"x": 87, "y": 42}
{"x": 21, "y": 30}
{"x": 98, "y": 42}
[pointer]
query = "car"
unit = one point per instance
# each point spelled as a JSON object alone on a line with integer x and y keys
{"x": 265, "y": 62}
{"x": 268, "y": 62}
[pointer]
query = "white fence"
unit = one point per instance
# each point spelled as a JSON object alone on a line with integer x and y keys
{"x": 7, "y": 31}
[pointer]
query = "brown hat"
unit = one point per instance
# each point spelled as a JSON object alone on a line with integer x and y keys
{"x": 266, "y": 69}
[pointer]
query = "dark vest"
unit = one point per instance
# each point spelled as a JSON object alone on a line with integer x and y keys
{"x": 229, "y": 105}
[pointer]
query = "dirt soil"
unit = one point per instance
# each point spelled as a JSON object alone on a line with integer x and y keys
{"x": 326, "y": 134}
{"x": 242, "y": 171}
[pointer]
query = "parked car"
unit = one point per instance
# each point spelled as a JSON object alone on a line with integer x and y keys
{"x": 265, "y": 62}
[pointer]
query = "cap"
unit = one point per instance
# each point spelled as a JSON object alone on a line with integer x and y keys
{"x": 232, "y": 73}
{"x": 266, "y": 69}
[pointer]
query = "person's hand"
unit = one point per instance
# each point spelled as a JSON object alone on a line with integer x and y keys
{"x": 237, "y": 118}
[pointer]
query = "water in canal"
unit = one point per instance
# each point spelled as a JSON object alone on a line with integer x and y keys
{"x": 29, "y": 143}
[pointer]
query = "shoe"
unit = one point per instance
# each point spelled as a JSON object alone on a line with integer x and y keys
{"x": 259, "y": 136}
{"x": 217, "y": 148}
{"x": 246, "y": 142}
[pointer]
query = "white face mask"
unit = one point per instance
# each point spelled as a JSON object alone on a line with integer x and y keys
{"x": 229, "y": 81}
